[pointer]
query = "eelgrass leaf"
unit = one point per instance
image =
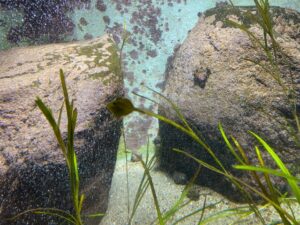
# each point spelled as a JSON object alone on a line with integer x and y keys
{"x": 152, "y": 188}
{"x": 253, "y": 174}
{"x": 62, "y": 213}
{"x": 249, "y": 213}
{"x": 143, "y": 185}
{"x": 266, "y": 170}
{"x": 127, "y": 173}
{"x": 81, "y": 200}
{"x": 291, "y": 209}
{"x": 95, "y": 215}
{"x": 245, "y": 29}
{"x": 68, "y": 152}
{"x": 171, "y": 212}
{"x": 65, "y": 93}
{"x": 229, "y": 144}
{"x": 56, "y": 215}
{"x": 48, "y": 114}
{"x": 273, "y": 193}
{"x": 236, "y": 179}
{"x": 174, "y": 107}
{"x": 203, "y": 210}
{"x": 224, "y": 213}
{"x": 293, "y": 184}
{"x": 266, "y": 175}
{"x": 71, "y": 156}
{"x": 74, "y": 119}
{"x": 59, "y": 114}
{"x": 161, "y": 106}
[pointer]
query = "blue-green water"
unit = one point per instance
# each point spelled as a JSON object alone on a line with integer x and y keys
{"x": 155, "y": 27}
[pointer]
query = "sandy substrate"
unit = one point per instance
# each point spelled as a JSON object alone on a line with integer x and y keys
{"x": 168, "y": 192}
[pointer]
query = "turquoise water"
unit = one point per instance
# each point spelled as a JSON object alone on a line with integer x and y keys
{"x": 146, "y": 57}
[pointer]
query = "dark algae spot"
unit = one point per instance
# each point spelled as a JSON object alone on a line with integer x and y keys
{"x": 100, "y": 5}
{"x": 152, "y": 53}
{"x": 201, "y": 76}
{"x": 83, "y": 21}
{"x": 134, "y": 54}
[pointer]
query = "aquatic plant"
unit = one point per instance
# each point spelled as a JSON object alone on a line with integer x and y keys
{"x": 122, "y": 107}
{"x": 146, "y": 182}
{"x": 265, "y": 188}
{"x": 274, "y": 57}
{"x": 270, "y": 189}
{"x": 67, "y": 148}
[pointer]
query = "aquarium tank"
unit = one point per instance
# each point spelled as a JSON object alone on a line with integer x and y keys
{"x": 122, "y": 112}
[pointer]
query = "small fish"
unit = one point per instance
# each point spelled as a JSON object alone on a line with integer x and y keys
{"x": 120, "y": 107}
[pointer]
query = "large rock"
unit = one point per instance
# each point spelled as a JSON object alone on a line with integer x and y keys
{"x": 32, "y": 168}
{"x": 211, "y": 81}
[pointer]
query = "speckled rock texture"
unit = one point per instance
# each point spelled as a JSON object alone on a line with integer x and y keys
{"x": 211, "y": 81}
{"x": 32, "y": 168}
{"x": 43, "y": 21}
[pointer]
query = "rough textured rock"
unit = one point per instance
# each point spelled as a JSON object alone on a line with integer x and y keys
{"x": 32, "y": 169}
{"x": 211, "y": 81}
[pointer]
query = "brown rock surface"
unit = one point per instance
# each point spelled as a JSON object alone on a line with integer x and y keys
{"x": 32, "y": 169}
{"x": 211, "y": 82}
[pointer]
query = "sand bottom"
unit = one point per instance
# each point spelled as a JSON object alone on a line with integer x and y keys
{"x": 168, "y": 193}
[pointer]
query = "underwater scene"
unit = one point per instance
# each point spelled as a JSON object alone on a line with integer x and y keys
{"x": 141, "y": 112}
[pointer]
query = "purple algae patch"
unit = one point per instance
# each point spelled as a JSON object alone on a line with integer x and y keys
{"x": 100, "y": 5}
{"x": 83, "y": 21}
{"x": 134, "y": 54}
{"x": 152, "y": 53}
